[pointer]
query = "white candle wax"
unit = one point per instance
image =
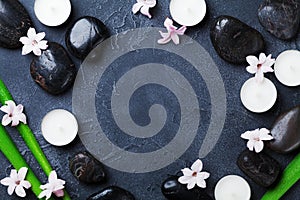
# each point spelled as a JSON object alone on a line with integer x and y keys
{"x": 188, "y": 12}
{"x": 258, "y": 97}
{"x": 59, "y": 127}
{"x": 52, "y": 12}
{"x": 287, "y": 68}
{"x": 232, "y": 187}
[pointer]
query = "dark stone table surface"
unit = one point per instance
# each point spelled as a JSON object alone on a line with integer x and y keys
{"x": 117, "y": 16}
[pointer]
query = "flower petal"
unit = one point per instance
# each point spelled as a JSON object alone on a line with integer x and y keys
{"x": 201, "y": 183}
{"x": 259, "y": 75}
{"x": 59, "y": 193}
{"x": 262, "y": 58}
{"x": 7, "y": 181}
{"x": 250, "y": 145}
{"x": 187, "y": 172}
{"x": 22, "y": 173}
{"x": 31, "y": 33}
{"x": 14, "y": 175}
{"x": 18, "y": 109}
{"x": 181, "y": 30}
{"x": 197, "y": 166}
{"x": 136, "y": 7}
{"x": 25, "y": 184}
{"x": 11, "y": 189}
{"x": 25, "y": 40}
{"x": 6, "y": 120}
{"x": 15, "y": 121}
{"x": 191, "y": 183}
{"x": 184, "y": 179}
{"x": 43, "y": 44}
{"x": 168, "y": 23}
{"x": 44, "y": 187}
{"x": 246, "y": 135}
{"x": 175, "y": 38}
{"x": 44, "y": 193}
{"x": 252, "y": 60}
{"x": 26, "y": 49}
{"x": 251, "y": 69}
{"x": 52, "y": 177}
{"x": 266, "y": 69}
{"x": 164, "y": 40}
{"x": 258, "y": 146}
{"x": 145, "y": 11}
{"x": 37, "y": 51}
{"x": 40, "y": 36}
{"x": 203, "y": 175}
{"x": 20, "y": 191}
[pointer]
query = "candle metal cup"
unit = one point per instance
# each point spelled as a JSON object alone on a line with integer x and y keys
{"x": 188, "y": 12}
{"x": 59, "y": 127}
{"x": 257, "y": 96}
{"x": 232, "y": 187}
{"x": 52, "y": 12}
{"x": 287, "y": 68}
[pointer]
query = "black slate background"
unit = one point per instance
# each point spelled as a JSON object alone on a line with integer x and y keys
{"x": 116, "y": 14}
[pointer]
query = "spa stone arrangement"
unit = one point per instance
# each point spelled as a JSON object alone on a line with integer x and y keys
{"x": 44, "y": 42}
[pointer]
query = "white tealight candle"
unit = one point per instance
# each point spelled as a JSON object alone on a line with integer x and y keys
{"x": 188, "y": 12}
{"x": 287, "y": 68}
{"x": 232, "y": 187}
{"x": 52, "y": 12}
{"x": 59, "y": 127}
{"x": 257, "y": 96}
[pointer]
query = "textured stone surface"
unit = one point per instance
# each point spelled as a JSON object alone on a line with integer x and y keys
{"x": 84, "y": 35}
{"x": 54, "y": 70}
{"x": 87, "y": 169}
{"x": 261, "y": 168}
{"x": 234, "y": 40}
{"x": 173, "y": 190}
{"x": 14, "y": 23}
{"x": 286, "y": 132}
{"x": 112, "y": 193}
{"x": 117, "y": 17}
{"x": 280, "y": 17}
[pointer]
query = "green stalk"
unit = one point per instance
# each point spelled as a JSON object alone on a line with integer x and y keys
{"x": 29, "y": 137}
{"x": 9, "y": 149}
{"x": 289, "y": 177}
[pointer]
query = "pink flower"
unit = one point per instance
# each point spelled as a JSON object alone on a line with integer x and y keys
{"x": 194, "y": 176}
{"x": 16, "y": 182}
{"x": 260, "y": 66}
{"x": 172, "y": 33}
{"x": 33, "y": 42}
{"x": 54, "y": 186}
{"x": 256, "y": 138}
{"x": 14, "y": 114}
{"x": 143, "y": 6}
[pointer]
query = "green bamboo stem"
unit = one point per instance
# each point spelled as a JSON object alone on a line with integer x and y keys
{"x": 29, "y": 137}
{"x": 10, "y": 151}
{"x": 289, "y": 177}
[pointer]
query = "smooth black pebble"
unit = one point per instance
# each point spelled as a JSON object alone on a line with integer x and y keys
{"x": 112, "y": 193}
{"x": 234, "y": 40}
{"x": 54, "y": 70}
{"x": 286, "y": 132}
{"x": 84, "y": 35}
{"x": 173, "y": 190}
{"x": 280, "y": 17}
{"x": 87, "y": 169}
{"x": 14, "y": 23}
{"x": 260, "y": 167}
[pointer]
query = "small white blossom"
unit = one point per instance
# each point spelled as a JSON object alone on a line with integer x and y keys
{"x": 172, "y": 33}
{"x": 33, "y": 42}
{"x": 259, "y": 66}
{"x": 54, "y": 186}
{"x": 194, "y": 176}
{"x": 143, "y": 6}
{"x": 256, "y": 138}
{"x": 14, "y": 114}
{"x": 16, "y": 182}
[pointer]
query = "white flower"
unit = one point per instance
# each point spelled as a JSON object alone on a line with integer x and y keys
{"x": 54, "y": 185}
{"x": 256, "y": 138}
{"x": 33, "y": 42}
{"x": 260, "y": 66}
{"x": 172, "y": 33}
{"x": 16, "y": 182}
{"x": 144, "y": 6}
{"x": 194, "y": 176}
{"x": 14, "y": 114}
